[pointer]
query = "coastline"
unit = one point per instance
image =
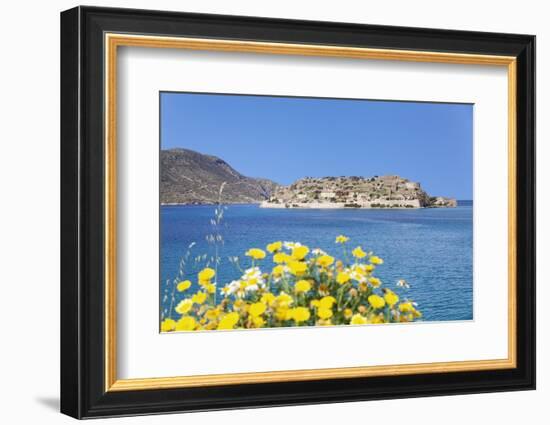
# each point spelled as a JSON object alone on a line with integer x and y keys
{"x": 387, "y": 205}
{"x": 320, "y": 206}
{"x": 332, "y": 207}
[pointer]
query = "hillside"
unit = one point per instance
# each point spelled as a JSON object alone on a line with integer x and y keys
{"x": 354, "y": 192}
{"x": 189, "y": 177}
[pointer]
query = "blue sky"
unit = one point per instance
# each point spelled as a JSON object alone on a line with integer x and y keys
{"x": 287, "y": 138}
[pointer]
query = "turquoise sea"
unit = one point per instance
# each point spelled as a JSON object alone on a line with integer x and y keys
{"x": 430, "y": 248}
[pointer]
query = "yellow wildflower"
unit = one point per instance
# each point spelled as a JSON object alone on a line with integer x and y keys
{"x": 376, "y": 260}
{"x": 374, "y": 281}
{"x": 342, "y": 278}
{"x": 359, "y": 253}
{"x": 250, "y": 282}
{"x": 212, "y": 313}
{"x": 210, "y": 288}
{"x": 314, "y": 276}
{"x": 199, "y": 298}
{"x": 302, "y": 286}
{"x": 297, "y": 267}
{"x": 283, "y": 299}
{"x": 341, "y": 239}
{"x": 184, "y": 285}
{"x": 359, "y": 269}
{"x": 257, "y": 309}
{"x": 325, "y": 260}
{"x": 278, "y": 270}
{"x": 275, "y": 246}
{"x": 406, "y": 307}
{"x": 281, "y": 312}
{"x": 327, "y": 302}
{"x": 186, "y": 323}
{"x": 167, "y": 325}
{"x": 258, "y": 321}
{"x": 184, "y": 306}
{"x": 357, "y": 319}
{"x": 256, "y": 253}
{"x": 206, "y": 274}
{"x": 300, "y": 252}
{"x": 229, "y": 321}
{"x": 324, "y": 313}
{"x": 391, "y": 298}
{"x": 376, "y": 301}
{"x": 268, "y": 298}
{"x": 300, "y": 314}
{"x": 377, "y": 319}
{"x": 284, "y": 313}
{"x": 281, "y": 257}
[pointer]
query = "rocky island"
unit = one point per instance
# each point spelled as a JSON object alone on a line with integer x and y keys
{"x": 354, "y": 192}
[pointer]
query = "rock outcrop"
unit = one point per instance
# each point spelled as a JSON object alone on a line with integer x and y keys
{"x": 354, "y": 192}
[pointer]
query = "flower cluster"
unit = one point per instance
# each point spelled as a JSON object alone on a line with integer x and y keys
{"x": 298, "y": 287}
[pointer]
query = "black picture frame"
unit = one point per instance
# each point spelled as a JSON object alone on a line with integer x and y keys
{"x": 82, "y": 212}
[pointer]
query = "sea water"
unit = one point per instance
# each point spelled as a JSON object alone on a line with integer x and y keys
{"x": 430, "y": 248}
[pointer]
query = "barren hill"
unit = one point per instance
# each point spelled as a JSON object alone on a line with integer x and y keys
{"x": 189, "y": 177}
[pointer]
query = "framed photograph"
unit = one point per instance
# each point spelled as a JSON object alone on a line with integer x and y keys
{"x": 261, "y": 212}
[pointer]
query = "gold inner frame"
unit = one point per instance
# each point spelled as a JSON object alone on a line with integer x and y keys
{"x": 113, "y": 41}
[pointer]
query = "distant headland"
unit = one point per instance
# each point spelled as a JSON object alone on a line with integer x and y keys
{"x": 355, "y": 192}
{"x": 191, "y": 178}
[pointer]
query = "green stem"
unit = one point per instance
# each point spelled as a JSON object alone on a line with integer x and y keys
{"x": 341, "y": 294}
{"x": 173, "y": 299}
